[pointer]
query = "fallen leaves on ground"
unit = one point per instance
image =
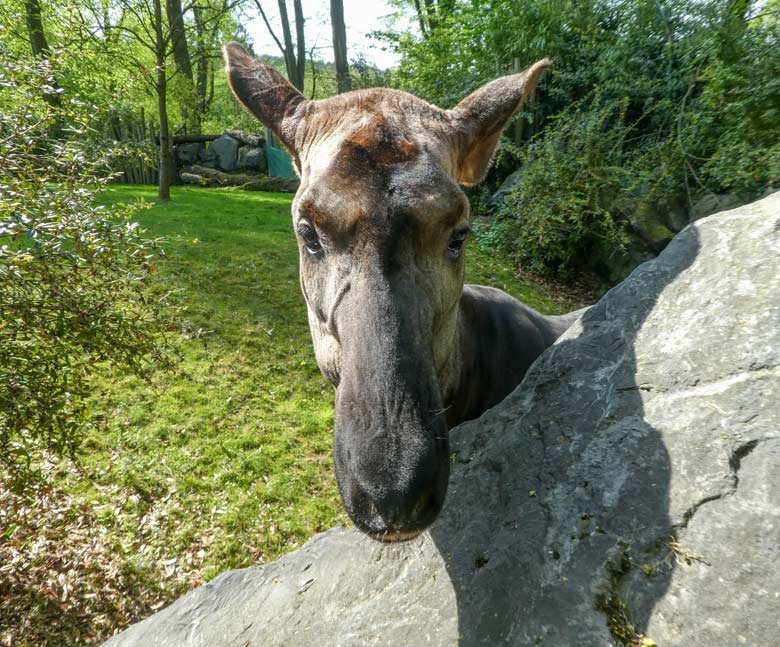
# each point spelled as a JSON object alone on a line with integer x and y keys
{"x": 66, "y": 580}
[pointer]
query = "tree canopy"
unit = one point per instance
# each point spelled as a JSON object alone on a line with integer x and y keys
{"x": 651, "y": 105}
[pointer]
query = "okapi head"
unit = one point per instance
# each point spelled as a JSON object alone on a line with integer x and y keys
{"x": 381, "y": 225}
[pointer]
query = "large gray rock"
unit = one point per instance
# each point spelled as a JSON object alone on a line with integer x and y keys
{"x": 187, "y": 153}
{"x": 207, "y": 157}
{"x": 226, "y": 150}
{"x": 252, "y": 158}
{"x": 713, "y": 203}
{"x": 631, "y": 485}
{"x": 513, "y": 180}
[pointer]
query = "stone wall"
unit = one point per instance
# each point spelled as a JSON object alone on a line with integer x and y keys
{"x": 225, "y": 153}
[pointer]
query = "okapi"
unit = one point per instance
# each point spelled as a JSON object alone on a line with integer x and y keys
{"x": 382, "y": 225}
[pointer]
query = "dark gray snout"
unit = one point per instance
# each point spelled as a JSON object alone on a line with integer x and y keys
{"x": 391, "y": 448}
{"x": 392, "y": 471}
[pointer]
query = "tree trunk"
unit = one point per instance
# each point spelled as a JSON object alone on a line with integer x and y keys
{"x": 430, "y": 10}
{"x": 181, "y": 53}
{"x": 295, "y": 65}
{"x": 421, "y": 18}
{"x": 208, "y": 19}
{"x": 167, "y": 160}
{"x": 38, "y": 42}
{"x": 343, "y": 81}
{"x": 289, "y": 50}
{"x": 313, "y": 74}
{"x": 203, "y": 62}
{"x": 210, "y": 98}
{"x": 40, "y": 46}
{"x": 181, "y": 57}
{"x": 300, "y": 63}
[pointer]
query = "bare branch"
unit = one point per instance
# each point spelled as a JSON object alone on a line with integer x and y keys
{"x": 313, "y": 73}
{"x": 268, "y": 25}
{"x": 141, "y": 19}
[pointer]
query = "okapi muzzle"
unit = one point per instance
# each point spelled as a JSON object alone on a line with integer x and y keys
{"x": 391, "y": 445}
{"x": 381, "y": 224}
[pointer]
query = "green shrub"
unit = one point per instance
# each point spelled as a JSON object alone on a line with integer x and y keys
{"x": 73, "y": 276}
{"x": 663, "y": 102}
{"x": 734, "y": 127}
{"x": 577, "y": 190}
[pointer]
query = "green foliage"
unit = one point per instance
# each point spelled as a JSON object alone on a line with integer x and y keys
{"x": 88, "y": 68}
{"x": 700, "y": 103}
{"x": 575, "y": 184}
{"x": 365, "y": 75}
{"x": 72, "y": 275}
{"x": 733, "y": 128}
{"x": 477, "y": 42}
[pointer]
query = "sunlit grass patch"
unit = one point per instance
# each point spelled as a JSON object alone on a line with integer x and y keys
{"x": 242, "y": 427}
{"x": 223, "y": 461}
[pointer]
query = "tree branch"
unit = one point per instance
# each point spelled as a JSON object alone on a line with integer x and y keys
{"x": 267, "y": 24}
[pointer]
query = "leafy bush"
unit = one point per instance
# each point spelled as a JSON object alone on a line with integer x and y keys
{"x": 663, "y": 103}
{"x": 579, "y": 187}
{"x": 733, "y": 129}
{"x": 73, "y": 276}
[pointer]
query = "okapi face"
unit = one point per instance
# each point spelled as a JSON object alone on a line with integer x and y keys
{"x": 381, "y": 225}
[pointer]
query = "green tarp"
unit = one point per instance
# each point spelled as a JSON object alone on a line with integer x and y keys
{"x": 279, "y": 162}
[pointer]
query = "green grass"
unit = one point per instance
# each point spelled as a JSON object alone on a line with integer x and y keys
{"x": 240, "y": 433}
{"x": 237, "y": 437}
{"x": 485, "y": 267}
{"x": 225, "y": 460}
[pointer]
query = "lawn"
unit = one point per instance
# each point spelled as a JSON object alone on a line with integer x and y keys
{"x": 222, "y": 462}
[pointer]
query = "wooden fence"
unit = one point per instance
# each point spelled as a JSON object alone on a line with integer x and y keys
{"x": 140, "y": 152}
{"x": 141, "y": 145}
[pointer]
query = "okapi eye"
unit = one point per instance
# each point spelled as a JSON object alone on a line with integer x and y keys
{"x": 310, "y": 238}
{"x": 455, "y": 246}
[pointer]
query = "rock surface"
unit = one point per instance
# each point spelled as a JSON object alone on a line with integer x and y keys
{"x": 207, "y": 157}
{"x": 187, "y": 153}
{"x": 713, "y": 203}
{"x": 226, "y": 150}
{"x": 629, "y": 486}
{"x": 253, "y": 158}
{"x": 512, "y": 181}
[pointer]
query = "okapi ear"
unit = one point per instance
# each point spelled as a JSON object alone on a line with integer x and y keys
{"x": 481, "y": 117}
{"x": 264, "y": 92}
